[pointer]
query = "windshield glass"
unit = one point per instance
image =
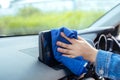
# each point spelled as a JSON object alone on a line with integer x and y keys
{"x": 21, "y": 17}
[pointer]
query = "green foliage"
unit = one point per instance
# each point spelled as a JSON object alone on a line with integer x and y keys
{"x": 30, "y": 21}
{"x": 28, "y": 11}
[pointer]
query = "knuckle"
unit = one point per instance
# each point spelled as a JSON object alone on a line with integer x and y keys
{"x": 72, "y": 40}
{"x": 66, "y": 51}
{"x": 66, "y": 45}
{"x": 61, "y": 44}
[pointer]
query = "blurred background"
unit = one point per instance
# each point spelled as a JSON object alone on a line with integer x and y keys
{"x": 21, "y": 17}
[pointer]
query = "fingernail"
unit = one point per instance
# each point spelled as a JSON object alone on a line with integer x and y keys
{"x": 58, "y": 43}
{"x": 58, "y": 49}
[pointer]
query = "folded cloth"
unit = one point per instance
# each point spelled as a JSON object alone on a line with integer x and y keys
{"x": 76, "y": 65}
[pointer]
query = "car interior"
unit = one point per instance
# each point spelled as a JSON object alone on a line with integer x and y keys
{"x": 30, "y": 57}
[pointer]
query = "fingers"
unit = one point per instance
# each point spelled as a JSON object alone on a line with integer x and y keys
{"x": 64, "y": 36}
{"x": 70, "y": 56}
{"x": 65, "y": 51}
{"x": 61, "y": 44}
{"x": 80, "y": 38}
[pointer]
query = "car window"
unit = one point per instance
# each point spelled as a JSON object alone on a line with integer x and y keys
{"x": 21, "y": 17}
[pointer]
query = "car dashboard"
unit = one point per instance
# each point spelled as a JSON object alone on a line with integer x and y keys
{"x": 19, "y": 57}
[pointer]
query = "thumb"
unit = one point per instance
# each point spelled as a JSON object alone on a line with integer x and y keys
{"x": 80, "y": 38}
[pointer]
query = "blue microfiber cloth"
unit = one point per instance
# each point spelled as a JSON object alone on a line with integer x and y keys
{"x": 76, "y": 65}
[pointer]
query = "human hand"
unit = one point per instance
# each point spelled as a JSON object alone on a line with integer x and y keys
{"x": 78, "y": 47}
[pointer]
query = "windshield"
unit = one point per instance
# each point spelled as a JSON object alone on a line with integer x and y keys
{"x": 21, "y": 17}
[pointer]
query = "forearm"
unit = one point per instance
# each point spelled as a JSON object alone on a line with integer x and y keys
{"x": 107, "y": 65}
